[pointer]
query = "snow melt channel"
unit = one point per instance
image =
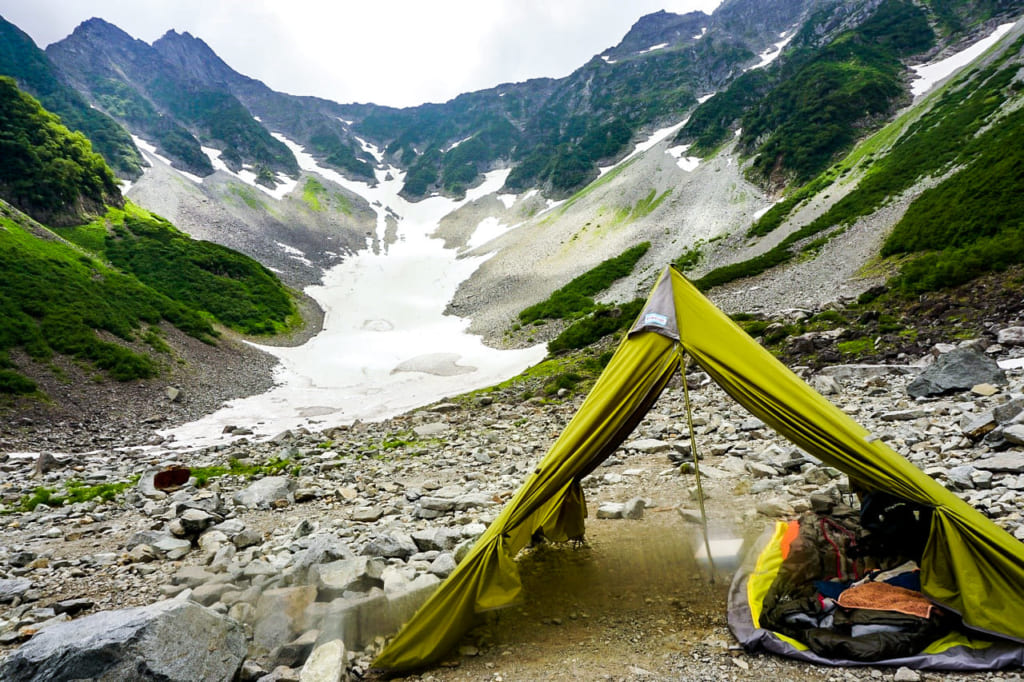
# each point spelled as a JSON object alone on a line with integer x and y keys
{"x": 386, "y": 346}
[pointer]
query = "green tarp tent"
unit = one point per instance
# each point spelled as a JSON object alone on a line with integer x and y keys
{"x": 970, "y": 565}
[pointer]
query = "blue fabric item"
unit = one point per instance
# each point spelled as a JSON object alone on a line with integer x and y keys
{"x": 833, "y": 588}
{"x": 910, "y": 580}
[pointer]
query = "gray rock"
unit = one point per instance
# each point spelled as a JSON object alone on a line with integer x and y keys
{"x": 146, "y": 488}
{"x": 295, "y": 652}
{"x": 391, "y": 545}
{"x": 13, "y": 588}
{"x": 46, "y": 463}
{"x": 266, "y": 492}
{"x": 438, "y": 504}
{"x": 1011, "y": 336}
{"x": 170, "y": 641}
{"x": 443, "y": 565}
{"x": 326, "y": 663}
{"x": 862, "y": 372}
{"x": 195, "y": 521}
{"x": 957, "y": 370}
{"x": 280, "y": 616}
{"x": 905, "y": 674}
{"x": 634, "y": 508}
{"x": 1010, "y": 410}
{"x": 367, "y": 514}
{"x": 1006, "y": 462}
{"x": 430, "y": 430}
{"x": 1014, "y": 434}
{"x": 334, "y": 579}
{"x": 758, "y": 470}
{"x": 210, "y": 593}
{"x": 826, "y": 385}
{"x": 322, "y": 549}
{"x": 961, "y": 476}
{"x": 649, "y": 446}
{"x": 436, "y": 539}
{"x": 611, "y": 510}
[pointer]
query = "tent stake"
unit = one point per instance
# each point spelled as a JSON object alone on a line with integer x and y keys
{"x": 696, "y": 469}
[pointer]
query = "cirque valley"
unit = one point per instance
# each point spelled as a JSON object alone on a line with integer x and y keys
{"x": 382, "y": 309}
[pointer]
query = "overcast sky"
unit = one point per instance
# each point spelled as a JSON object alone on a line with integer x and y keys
{"x": 394, "y": 52}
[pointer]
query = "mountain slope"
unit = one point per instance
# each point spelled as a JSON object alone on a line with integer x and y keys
{"x": 35, "y": 74}
{"x": 98, "y": 291}
{"x": 47, "y": 170}
{"x": 131, "y": 81}
{"x": 940, "y": 180}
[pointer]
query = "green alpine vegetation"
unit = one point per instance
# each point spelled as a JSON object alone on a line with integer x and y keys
{"x": 798, "y": 118}
{"x": 967, "y": 225}
{"x": 21, "y": 59}
{"x": 47, "y": 171}
{"x": 54, "y": 298}
{"x": 574, "y": 299}
{"x": 98, "y": 293}
{"x": 229, "y": 287}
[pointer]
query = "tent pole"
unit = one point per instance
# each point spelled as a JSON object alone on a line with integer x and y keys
{"x": 696, "y": 468}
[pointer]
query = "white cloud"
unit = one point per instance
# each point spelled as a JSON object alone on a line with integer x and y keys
{"x": 395, "y": 52}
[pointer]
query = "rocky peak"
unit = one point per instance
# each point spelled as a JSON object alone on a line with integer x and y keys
{"x": 195, "y": 59}
{"x": 659, "y": 28}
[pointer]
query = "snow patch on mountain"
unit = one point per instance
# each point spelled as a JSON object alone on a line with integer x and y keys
{"x": 687, "y": 163}
{"x": 772, "y": 53}
{"x": 930, "y": 74}
{"x": 151, "y": 154}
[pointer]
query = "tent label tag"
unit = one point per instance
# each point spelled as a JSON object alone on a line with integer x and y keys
{"x": 655, "y": 320}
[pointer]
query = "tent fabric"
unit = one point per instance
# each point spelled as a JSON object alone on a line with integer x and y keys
{"x": 970, "y": 565}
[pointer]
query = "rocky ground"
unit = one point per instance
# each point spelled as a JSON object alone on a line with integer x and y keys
{"x": 313, "y": 539}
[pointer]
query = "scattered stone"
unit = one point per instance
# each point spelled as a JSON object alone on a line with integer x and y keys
{"x": 45, "y": 463}
{"x": 611, "y": 510}
{"x": 634, "y": 508}
{"x": 905, "y": 674}
{"x": 431, "y": 430}
{"x": 1007, "y": 462}
{"x": 359, "y": 574}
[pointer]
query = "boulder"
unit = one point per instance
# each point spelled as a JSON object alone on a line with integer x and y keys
{"x": 958, "y": 370}
{"x": 265, "y": 493}
{"x": 12, "y": 588}
{"x": 170, "y": 641}
{"x": 280, "y": 616}
{"x": 1011, "y": 336}
{"x": 391, "y": 545}
{"x": 334, "y": 579}
{"x": 1014, "y": 434}
{"x": 326, "y": 664}
{"x": 1007, "y": 462}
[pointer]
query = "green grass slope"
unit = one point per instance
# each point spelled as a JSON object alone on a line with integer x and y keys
{"x": 21, "y": 59}
{"x": 96, "y": 290}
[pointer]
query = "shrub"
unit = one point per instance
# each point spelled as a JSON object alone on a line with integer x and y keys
{"x": 573, "y": 299}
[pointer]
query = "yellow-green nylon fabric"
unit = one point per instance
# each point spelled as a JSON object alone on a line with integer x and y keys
{"x": 550, "y": 500}
{"x": 970, "y": 564}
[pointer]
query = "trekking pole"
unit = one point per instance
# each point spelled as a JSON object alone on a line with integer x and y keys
{"x": 696, "y": 470}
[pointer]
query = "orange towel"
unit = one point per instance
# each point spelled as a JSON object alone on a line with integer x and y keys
{"x": 886, "y": 597}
